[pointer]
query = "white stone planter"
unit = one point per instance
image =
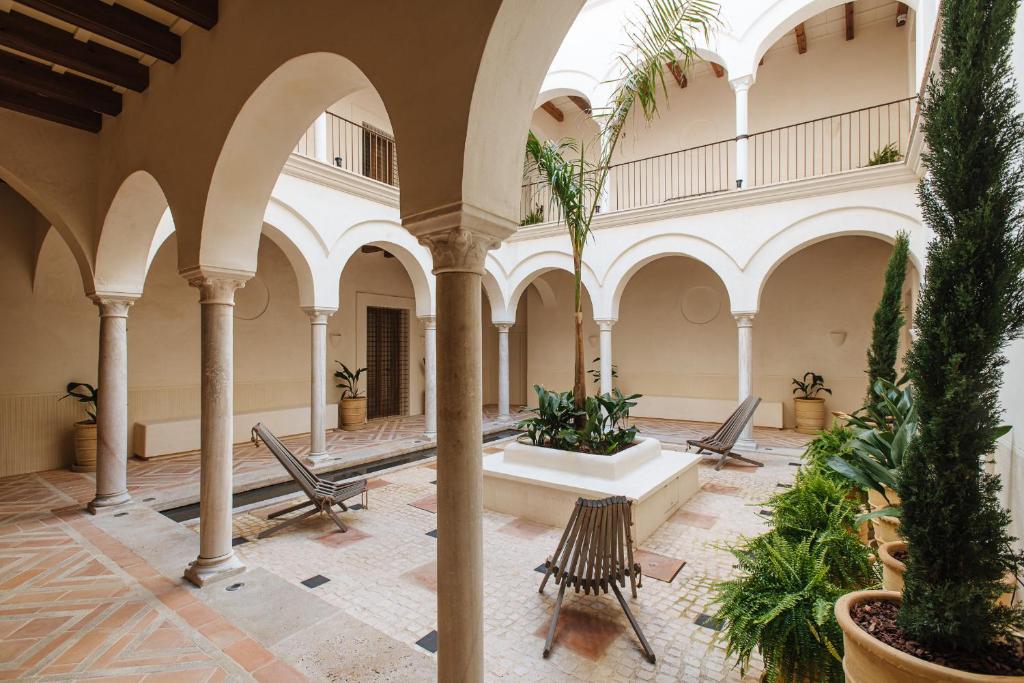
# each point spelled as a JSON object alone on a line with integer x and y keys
{"x": 542, "y": 484}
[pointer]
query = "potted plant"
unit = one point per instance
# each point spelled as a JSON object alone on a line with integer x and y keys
{"x": 605, "y": 431}
{"x": 948, "y": 624}
{"x": 352, "y": 407}
{"x": 809, "y": 408}
{"x": 85, "y": 430}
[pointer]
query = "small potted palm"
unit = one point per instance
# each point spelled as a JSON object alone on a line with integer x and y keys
{"x": 352, "y": 408}
{"x": 85, "y": 430}
{"x": 809, "y": 407}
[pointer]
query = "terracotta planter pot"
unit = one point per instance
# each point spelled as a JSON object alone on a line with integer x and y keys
{"x": 85, "y": 447}
{"x": 887, "y": 529}
{"x": 352, "y": 413}
{"x": 868, "y": 660}
{"x": 810, "y": 415}
{"x": 892, "y": 569}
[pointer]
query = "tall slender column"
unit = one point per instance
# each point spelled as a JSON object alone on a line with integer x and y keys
{"x": 112, "y": 405}
{"x": 503, "y": 407}
{"x": 318, "y": 382}
{"x": 217, "y": 302}
{"x": 745, "y": 333}
{"x": 430, "y": 375}
{"x": 459, "y": 264}
{"x": 606, "y": 354}
{"x": 741, "y": 86}
{"x": 320, "y": 138}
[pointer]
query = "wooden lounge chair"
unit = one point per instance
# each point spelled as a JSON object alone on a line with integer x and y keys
{"x": 596, "y": 553}
{"x": 323, "y": 494}
{"x": 724, "y": 438}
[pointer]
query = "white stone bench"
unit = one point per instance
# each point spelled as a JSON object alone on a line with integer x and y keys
{"x": 768, "y": 413}
{"x": 154, "y": 438}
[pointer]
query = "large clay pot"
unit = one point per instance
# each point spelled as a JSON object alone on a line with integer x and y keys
{"x": 85, "y": 447}
{"x": 810, "y": 415}
{"x": 892, "y": 569}
{"x": 868, "y": 660}
{"x": 352, "y": 413}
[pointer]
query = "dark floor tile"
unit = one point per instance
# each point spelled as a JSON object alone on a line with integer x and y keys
{"x": 432, "y": 533}
{"x": 239, "y": 540}
{"x": 314, "y": 581}
{"x": 541, "y": 568}
{"x": 357, "y": 506}
{"x": 708, "y": 621}
{"x": 428, "y": 642}
{"x": 765, "y": 513}
{"x": 783, "y": 486}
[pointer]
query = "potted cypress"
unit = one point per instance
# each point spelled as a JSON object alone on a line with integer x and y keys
{"x": 352, "y": 407}
{"x": 948, "y": 624}
{"x": 809, "y": 407}
{"x": 888, "y": 320}
{"x": 85, "y": 430}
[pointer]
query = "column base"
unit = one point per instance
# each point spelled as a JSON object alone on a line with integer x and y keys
{"x": 108, "y": 500}
{"x": 746, "y": 445}
{"x": 83, "y": 468}
{"x": 203, "y": 571}
{"x": 318, "y": 458}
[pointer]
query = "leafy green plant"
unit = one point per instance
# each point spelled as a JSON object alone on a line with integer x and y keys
{"x": 605, "y": 431}
{"x": 86, "y": 394}
{"x": 971, "y": 307}
{"x": 348, "y": 381}
{"x": 830, "y": 443}
{"x": 888, "y": 321}
{"x": 536, "y": 215}
{"x": 552, "y": 421}
{"x": 596, "y": 372}
{"x": 810, "y": 386}
{"x": 886, "y": 155}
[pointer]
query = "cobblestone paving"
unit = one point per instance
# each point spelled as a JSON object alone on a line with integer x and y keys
{"x": 383, "y": 578}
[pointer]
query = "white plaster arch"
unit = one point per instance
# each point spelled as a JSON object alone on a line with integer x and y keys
{"x": 567, "y": 82}
{"x": 391, "y": 236}
{"x": 535, "y": 265}
{"x": 865, "y": 221}
{"x": 137, "y": 216}
{"x": 495, "y": 295}
{"x": 629, "y": 262}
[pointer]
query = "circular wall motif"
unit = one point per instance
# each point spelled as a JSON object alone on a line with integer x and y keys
{"x": 700, "y": 305}
{"x": 252, "y": 300}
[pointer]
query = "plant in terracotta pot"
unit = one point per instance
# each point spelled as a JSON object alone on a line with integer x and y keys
{"x": 948, "y": 624}
{"x": 85, "y": 430}
{"x": 809, "y": 407}
{"x": 352, "y": 407}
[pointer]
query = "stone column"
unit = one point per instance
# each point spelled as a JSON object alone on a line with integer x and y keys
{"x": 112, "y": 405}
{"x": 745, "y": 332}
{"x": 430, "y": 375}
{"x": 217, "y": 302}
{"x": 742, "y": 86}
{"x": 606, "y": 354}
{"x": 503, "y": 407}
{"x": 318, "y": 383}
{"x": 459, "y": 265}
{"x": 320, "y": 139}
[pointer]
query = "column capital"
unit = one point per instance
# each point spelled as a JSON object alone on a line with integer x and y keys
{"x": 458, "y": 250}
{"x": 458, "y": 235}
{"x": 605, "y": 324}
{"x": 429, "y": 321}
{"x": 216, "y": 285}
{"x": 504, "y": 326}
{"x": 318, "y": 316}
{"x": 742, "y": 83}
{"x": 744, "y": 318}
{"x": 113, "y": 305}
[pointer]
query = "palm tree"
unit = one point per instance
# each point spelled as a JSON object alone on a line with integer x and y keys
{"x": 665, "y": 33}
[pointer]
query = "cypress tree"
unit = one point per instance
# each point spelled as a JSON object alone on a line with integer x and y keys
{"x": 885, "y": 335}
{"x": 971, "y": 306}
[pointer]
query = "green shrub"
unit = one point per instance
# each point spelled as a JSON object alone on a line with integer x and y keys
{"x": 605, "y": 426}
{"x": 833, "y": 442}
{"x": 885, "y": 155}
{"x": 888, "y": 321}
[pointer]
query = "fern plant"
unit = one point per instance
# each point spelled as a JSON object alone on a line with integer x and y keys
{"x": 885, "y": 155}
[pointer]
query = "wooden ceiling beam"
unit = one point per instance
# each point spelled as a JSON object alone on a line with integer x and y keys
{"x": 901, "y": 13}
{"x": 849, "y": 21}
{"x": 554, "y": 111}
{"x": 49, "y": 108}
{"x": 49, "y": 43}
{"x": 717, "y": 68}
{"x": 677, "y": 73}
{"x": 582, "y": 103}
{"x": 115, "y": 23}
{"x": 801, "y": 38}
{"x": 24, "y": 74}
{"x": 202, "y": 13}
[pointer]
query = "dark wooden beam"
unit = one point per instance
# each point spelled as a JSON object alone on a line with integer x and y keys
{"x": 582, "y": 103}
{"x": 554, "y": 111}
{"x": 115, "y": 23}
{"x": 24, "y": 34}
{"x": 717, "y": 68}
{"x": 202, "y": 13}
{"x": 24, "y": 74}
{"x": 849, "y": 21}
{"x": 901, "y": 13}
{"x": 49, "y": 109}
{"x": 677, "y": 73}
{"x": 369, "y": 249}
{"x": 801, "y": 38}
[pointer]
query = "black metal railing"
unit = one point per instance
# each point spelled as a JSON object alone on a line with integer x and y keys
{"x": 360, "y": 149}
{"x": 831, "y": 144}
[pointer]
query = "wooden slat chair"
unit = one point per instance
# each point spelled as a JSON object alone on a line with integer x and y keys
{"x": 724, "y": 439}
{"x": 596, "y": 553}
{"x": 322, "y": 494}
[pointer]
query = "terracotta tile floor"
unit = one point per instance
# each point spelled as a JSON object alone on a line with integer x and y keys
{"x": 77, "y": 603}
